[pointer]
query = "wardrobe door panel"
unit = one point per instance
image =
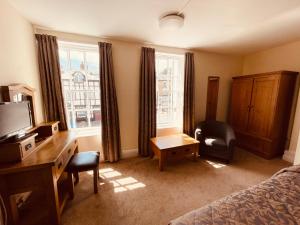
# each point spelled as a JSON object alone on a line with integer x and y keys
{"x": 262, "y": 106}
{"x": 240, "y": 101}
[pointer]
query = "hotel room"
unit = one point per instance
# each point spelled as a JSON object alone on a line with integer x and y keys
{"x": 149, "y": 112}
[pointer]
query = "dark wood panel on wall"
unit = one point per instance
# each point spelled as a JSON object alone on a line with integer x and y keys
{"x": 260, "y": 111}
{"x": 212, "y": 97}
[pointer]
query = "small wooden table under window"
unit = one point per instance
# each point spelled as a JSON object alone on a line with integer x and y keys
{"x": 173, "y": 146}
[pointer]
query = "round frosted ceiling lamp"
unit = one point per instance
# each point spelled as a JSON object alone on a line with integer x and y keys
{"x": 171, "y": 21}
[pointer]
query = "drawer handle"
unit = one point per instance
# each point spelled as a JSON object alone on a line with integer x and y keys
{"x": 28, "y": 146}
{"x": 59, "y": 165}
{"x": 55, "y": 128}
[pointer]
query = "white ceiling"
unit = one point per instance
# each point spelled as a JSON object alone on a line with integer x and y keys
{"x": 225, "y": 26}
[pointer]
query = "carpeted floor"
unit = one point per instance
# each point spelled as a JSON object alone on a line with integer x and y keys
{"x": 134, "y": 192}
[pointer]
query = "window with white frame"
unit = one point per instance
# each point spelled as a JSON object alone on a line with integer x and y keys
{"x": 169, "y": 90}
{"x": 79, "y": 64}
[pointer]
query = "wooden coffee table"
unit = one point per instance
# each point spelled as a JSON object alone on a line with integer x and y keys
{"x": 173, "y": 146}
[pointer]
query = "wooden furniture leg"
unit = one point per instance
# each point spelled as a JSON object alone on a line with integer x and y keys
{"x": 76, "y": 175}
{"x": 162, "y": 159}
{"x": 152, "y": 153}
{"x": 96, "y": 175}
{"x": 71, "y": 185}
{"x": 195, "y": 150}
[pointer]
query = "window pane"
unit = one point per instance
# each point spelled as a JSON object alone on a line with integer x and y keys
{"x": 80, "y": 81}
{"x": 92, "y": 60}
{"x": 63, "y": 60}
{"x": 169, "y": 90}
{"x": 76, "y": 59}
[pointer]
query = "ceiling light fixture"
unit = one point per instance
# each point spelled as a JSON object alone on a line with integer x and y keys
{"x": 171, "y": 21}
{"x": 174, "y": 20}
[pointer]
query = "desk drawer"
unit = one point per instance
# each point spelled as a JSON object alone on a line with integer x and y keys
{"x": 27, "y": 147}
{"x": 64, "y": 158}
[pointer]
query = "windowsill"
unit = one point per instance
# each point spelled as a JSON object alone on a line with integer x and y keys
{"x": 164, "y": 131}
{"x": 87, "y": 131}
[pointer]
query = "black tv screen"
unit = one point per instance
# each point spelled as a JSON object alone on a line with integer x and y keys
{"x": 14, "y": 118}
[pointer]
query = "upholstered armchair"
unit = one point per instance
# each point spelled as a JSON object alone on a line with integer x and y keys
{"x": 217, "y": 139}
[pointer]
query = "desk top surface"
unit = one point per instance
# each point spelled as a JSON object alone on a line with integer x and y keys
{"x": 45, "y": 155}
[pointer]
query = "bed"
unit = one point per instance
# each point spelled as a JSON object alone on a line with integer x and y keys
{"x": 274, "y": 201}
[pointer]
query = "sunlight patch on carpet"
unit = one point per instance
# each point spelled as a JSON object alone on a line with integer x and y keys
{"x": 215, "y": 165}
{"x": 120, "y": 184}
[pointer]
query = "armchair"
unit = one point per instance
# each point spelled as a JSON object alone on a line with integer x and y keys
{"x": 217, "y": 139}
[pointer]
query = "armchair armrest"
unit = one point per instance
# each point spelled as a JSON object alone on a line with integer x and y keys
{"x": 229, "y": 136}
{"x": 199, "y": 131}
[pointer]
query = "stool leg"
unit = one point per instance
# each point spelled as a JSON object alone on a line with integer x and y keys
{"x": 70, "y": 185}
{"x": 76, "y": 175}
{"x": 96, "y": 172}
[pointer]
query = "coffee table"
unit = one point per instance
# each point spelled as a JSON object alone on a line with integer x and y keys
{"x": 173, "y": 146}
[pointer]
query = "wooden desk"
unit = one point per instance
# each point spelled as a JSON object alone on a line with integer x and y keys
{"x": 173, "y": 146}
{"x": 42, "y": 176}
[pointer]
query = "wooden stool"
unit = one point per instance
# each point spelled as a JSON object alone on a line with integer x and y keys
{"x": 83, "y": 161}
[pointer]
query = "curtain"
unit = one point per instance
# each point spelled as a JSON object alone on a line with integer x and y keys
{"x": 50, "y": 76}
{"x": 147, "y": 101}
{"x": 111, "y": 141}
{"x": 188, "y": 104}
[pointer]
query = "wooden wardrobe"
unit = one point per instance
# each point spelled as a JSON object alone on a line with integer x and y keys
{"x": 260, "y": 111}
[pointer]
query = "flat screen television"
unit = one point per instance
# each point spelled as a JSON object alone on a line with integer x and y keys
{"x": 15, "y": 119}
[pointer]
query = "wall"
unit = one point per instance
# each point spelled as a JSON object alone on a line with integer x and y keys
{"x": 126, "y": 56}
{"x": 297, "y": 145}
{"x": 18, "y": 61}
{"x": 285, "y": 57}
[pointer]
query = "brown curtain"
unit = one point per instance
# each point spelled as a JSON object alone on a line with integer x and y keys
{"x": 147, "y": 102}
{"x": 111, "y": 141}
{"x": 51, "y": 80}
{"x": 188, "y": 104}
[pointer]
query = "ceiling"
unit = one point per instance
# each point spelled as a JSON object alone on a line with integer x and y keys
{"x": 228, "y": 26}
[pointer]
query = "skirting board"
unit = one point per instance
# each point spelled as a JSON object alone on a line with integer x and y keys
{"x": 129, "y": 153}
{"x": 288, "y": 156}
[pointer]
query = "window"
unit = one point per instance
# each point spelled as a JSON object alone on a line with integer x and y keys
{"x": 79, "y": 65}
{"x": 169, "y": 90}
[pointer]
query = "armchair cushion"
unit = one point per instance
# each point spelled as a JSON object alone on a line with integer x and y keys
{"x": 214, "y": 141}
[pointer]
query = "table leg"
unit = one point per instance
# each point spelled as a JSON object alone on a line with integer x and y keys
{"x": 70, "y": 185}
{"x": 195, "y": 152}
{"x": 151, "y": 154}
{"x": 162, "y": 159}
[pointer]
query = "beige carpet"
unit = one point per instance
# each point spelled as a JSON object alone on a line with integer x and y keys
{"x": 134, "y": 192}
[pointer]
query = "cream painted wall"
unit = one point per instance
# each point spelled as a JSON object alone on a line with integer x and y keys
{"x": 18, "y": 61}
{"x": 278, "y": 58}
{"x": 210, "y": 64}
{"x": 126, "y": 56}
{"x": 285, "y": 57}
{"x": 295, "y": 144}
